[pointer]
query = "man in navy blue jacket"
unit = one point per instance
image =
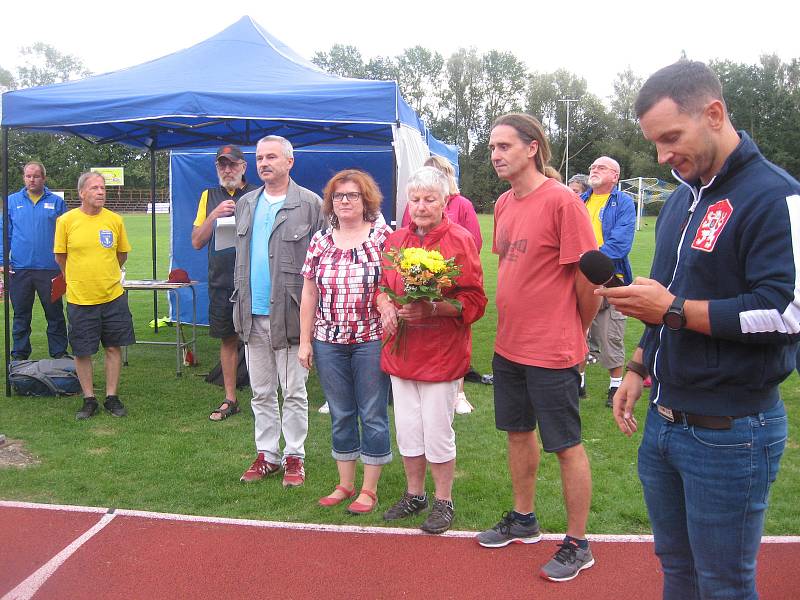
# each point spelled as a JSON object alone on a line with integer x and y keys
{"x": 32, "y": 214}
{"x": 724, "y": 320}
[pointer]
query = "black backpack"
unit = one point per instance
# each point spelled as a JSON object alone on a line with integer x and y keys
{"x": 47, "y": 377}
{"x": 242, "y": 376}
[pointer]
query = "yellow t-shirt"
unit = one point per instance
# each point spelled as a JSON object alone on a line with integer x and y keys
{"x": 594, "y": 205}
{"x": 35, "y": 198}
{"x": 91, "y": 243}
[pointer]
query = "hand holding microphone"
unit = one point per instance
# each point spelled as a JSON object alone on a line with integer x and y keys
{"x": 645, "y": 299}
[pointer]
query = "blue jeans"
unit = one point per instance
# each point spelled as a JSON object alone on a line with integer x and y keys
{"x": 24, "y": 286}
{"x": 706, "y": 493}
{"x": 356, "y": 389}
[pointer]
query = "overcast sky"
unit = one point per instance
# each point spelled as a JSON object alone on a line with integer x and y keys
{"x": 591, "y": 39}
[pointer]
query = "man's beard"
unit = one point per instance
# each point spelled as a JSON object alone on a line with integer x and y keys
{"x": 231, "y": 184}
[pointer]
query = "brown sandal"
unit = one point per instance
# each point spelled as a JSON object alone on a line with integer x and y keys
{"x": 231, "y": 407}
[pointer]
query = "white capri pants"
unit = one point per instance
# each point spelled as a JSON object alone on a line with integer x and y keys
{"x": 423, "y": 418}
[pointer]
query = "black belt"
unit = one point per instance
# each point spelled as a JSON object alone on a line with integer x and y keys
{"x": 707, "y": 421}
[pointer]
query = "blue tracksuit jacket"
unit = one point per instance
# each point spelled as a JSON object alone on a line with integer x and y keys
{"x": 32, "y": 228}
{"x": 736, "y": 243}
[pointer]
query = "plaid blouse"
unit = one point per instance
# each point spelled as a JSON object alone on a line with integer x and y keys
{"x": 348, "y": 283}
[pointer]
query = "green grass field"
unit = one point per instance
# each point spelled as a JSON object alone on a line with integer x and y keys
{"x": 167, "y": 456}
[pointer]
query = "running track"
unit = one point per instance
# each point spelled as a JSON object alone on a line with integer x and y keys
{"x": 75, "y": 553}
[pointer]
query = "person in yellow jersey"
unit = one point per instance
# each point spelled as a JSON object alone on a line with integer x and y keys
{"x": 613, "y": 216}
{"x": 91, "y": 245}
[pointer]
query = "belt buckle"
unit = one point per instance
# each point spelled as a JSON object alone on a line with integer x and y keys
{"x": 666, "y": 413}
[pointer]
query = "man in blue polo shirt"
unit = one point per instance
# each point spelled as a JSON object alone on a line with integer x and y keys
{"x": 32, "y": 214}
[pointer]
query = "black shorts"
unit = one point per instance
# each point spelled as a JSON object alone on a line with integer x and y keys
{"x": 110, "y": 324}
{"x": 220, "y": 312}
{"x": 525, "y": 396}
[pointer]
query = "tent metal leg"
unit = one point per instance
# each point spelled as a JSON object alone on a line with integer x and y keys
{"x": 153, "y": 226}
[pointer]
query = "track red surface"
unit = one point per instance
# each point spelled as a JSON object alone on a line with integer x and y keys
{"x": 146, "y": 557}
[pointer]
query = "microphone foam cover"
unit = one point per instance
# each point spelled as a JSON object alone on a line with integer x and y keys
{"x": 597, "y": 267}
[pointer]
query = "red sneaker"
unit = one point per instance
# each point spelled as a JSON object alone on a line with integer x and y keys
{"x": 293, "y": 472}
{"x": 259, "y": 469}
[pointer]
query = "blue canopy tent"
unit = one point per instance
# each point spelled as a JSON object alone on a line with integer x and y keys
{"x": 199, "y": 97}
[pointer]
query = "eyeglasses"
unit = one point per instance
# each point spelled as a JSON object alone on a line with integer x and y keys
{"x": 351, "y": 196}
{"x": 227, "y": 164}
{"x": 601, "y": 168}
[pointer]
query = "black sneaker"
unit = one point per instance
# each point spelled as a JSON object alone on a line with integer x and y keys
{"x": 510, "y": 530}
{"x": 611, "y": 392}
{"x": 114, "y": 406}
{"x": 441, "y": 517}
{"x": 405, "y": 507}
{"x": 582, "y": 391}
{"x": 88, "y": 409}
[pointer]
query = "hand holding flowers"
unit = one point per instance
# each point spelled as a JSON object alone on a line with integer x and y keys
{"x": 426, "y": 276}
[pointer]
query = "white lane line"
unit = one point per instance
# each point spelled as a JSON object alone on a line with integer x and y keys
{"x": 613, "y": 538}
{"x": 26, "y": 589}
{"x": 64, "y": 507}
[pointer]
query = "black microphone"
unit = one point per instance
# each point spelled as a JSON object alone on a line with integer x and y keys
{"x": 599, "y": 269}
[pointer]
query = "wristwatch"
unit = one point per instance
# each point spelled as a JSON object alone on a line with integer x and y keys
{"x": 674, "y": 317}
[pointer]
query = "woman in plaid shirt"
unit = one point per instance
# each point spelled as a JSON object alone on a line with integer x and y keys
{"x": 340, "y": 330}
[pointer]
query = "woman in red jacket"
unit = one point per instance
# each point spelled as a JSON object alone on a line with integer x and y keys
{"x": 435, "y": 351}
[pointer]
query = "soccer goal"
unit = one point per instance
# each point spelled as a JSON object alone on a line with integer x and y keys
{"x": 646, "y": 190}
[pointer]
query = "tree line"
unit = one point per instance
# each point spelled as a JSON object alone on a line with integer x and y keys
{"x": 65, "y": 156}
{"x": 458, "y": 97}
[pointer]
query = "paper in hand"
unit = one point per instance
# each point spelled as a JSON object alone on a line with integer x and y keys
{"x": 225, "y": 233}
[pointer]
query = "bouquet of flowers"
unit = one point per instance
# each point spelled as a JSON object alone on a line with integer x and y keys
{"x": 426, "y": 275}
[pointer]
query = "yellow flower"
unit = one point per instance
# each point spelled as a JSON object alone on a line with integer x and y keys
{"x": 434, "y": 265}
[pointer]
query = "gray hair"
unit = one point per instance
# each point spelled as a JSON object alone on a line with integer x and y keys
{"x": 288, "y": 150}
{"x": 580, "y": 179}
{"x": 86, "y": 177}
{"x": 445, "y": 167}
{"x": 429, "y": 179}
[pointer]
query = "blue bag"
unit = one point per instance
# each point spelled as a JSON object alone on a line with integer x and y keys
{"x": 47, "y": 377}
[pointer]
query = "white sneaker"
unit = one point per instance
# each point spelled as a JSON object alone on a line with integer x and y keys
{"x": 324, "y": 409}
{"x": 463, "y": 407}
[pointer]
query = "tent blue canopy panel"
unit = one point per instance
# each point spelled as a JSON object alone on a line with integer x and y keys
{"x": 199, "y": 97}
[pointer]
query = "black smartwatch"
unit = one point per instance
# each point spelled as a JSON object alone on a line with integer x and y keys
{"x": 674, "y": 317}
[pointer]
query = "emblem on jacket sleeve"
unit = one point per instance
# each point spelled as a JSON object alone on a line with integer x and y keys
{"x": 106, "y": 238}
{"x": 714, "y": 221}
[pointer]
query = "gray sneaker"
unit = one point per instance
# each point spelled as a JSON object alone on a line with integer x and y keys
{"x": 568, "y": 561}
{"x": 405, "y": 507}
{"x": 441, "y": 517}
{"x": 509, "y": 530}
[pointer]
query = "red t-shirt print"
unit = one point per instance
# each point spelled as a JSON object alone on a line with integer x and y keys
{"x": 508, "y": 250}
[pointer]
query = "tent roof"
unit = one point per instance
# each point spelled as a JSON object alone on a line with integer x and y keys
{"x": 234, "y": 87}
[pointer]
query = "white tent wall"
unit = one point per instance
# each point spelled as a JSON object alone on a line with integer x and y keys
{"x": 410, "y": 151}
